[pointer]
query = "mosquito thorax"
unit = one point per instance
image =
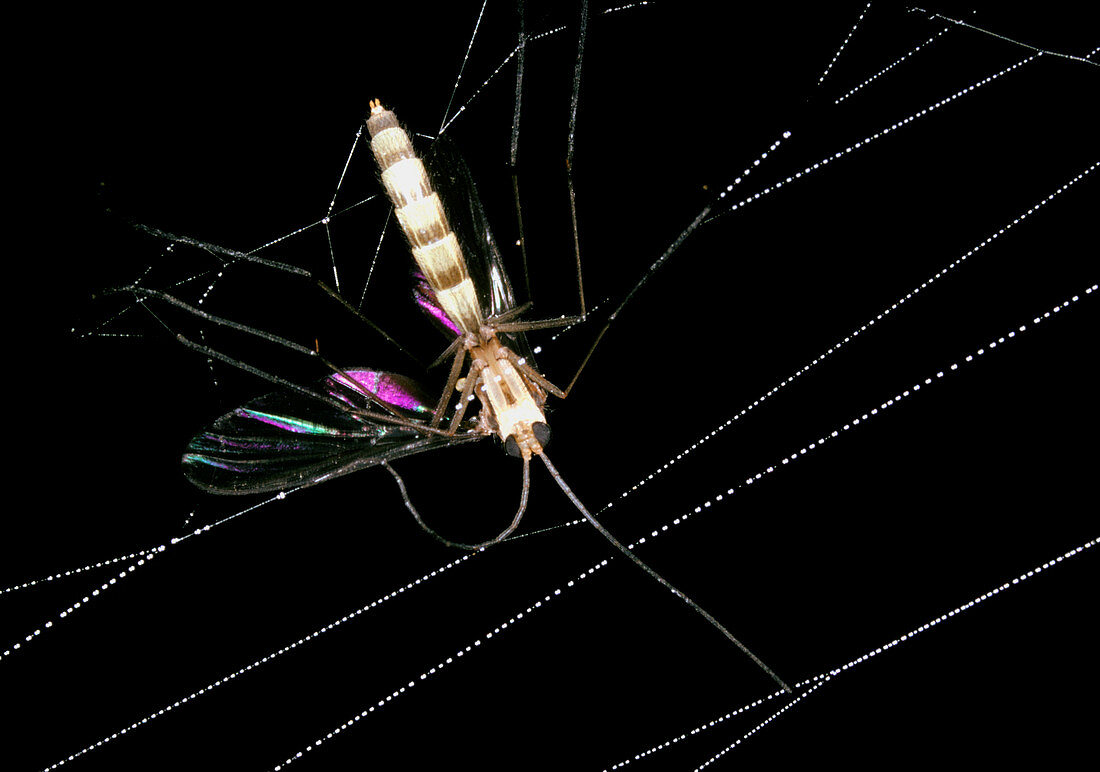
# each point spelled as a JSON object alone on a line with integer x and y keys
{"x": 512, "y": 405}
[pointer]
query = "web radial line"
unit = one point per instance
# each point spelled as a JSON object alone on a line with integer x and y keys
{"x": 462, "y": 68}
{"x": 326, "y": 220}
{"x": 1005, "y": 38}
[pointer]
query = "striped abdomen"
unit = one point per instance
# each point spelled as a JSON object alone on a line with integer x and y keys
{"x": 420, "y": 212}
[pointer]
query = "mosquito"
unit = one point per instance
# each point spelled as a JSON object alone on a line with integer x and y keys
{"x": 676, "y": 429}
{"x": 275, "y": 443}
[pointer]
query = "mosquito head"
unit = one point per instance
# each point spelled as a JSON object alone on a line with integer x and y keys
{"x": 528, "y": 441}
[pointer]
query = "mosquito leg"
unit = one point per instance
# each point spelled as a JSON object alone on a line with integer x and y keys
{"x": 230, "y": 256}
{"x": 331, "y": 401}
{"x": 359, "y": 315}
{"x": 532, "y": 374}
{"x": 143, "y": 293}
{"x": 510, "y": 314}
{"x": 537, "y": 324}
{"x": 660, "y": 579}
{"x": 452, "y": 379}
{"x": 587, "y": 356}
{"x": 525, "y": 490}
{"x": 248, "y": 330}
{"x": 463, "y": 400}
{"x": 521, "y": 10}
{"x": 447, "y": 352}
{"x": 522, "y": 236}
{"x": 565, "y": 321}
{"x": 675, "y": 245}
{"x": 569, "y": 151}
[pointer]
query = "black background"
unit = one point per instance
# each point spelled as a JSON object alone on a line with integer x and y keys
{"x": 235, "y": 131}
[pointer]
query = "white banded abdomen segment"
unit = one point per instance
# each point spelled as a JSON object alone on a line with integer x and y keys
{"x": 420, "y": 213}
{"x": 406, "y": 181}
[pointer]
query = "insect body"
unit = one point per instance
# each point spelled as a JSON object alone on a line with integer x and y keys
{"x": 282, "y": 440}
{"x": 1004, "y": 661}
{"x": 512, "y": 402}
{"x": 360, "y": 417}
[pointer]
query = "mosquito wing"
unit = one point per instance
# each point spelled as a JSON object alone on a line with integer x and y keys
{"x": 285, "y": 440}
{"x": 455, "y": 185}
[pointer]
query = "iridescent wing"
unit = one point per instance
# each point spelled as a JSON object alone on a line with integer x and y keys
{"x": 285, "y": 440}
{"x": 425, "y": 297}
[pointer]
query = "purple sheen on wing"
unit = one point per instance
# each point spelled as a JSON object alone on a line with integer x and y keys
{"x": 391, "y": 389}
{"x": 425, "y": 297}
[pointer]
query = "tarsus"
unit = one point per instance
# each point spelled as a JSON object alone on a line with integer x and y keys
{"x": 660, "y": 579}
{"x": 603, "y": 531}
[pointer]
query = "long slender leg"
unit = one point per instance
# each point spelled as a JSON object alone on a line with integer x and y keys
{"x": 522, "y": 236}
{"x": 220, "y": 321}
{"x": 511, "y": 313}
{"x": 524, "y": 326}
{"x": 584, "y": 362}
{"x": 675, "y": 245}
{"x": 360, "y": 316}
{"x": 513, "y": 157}
{"x": 533, "y": 374}
{"x": 538, "y": 324}
{"x": 463, "y": 400}
{"x": 447, "y": 352}
{"x": 452, "y": 379}
{"x": 570, "y": 147}
{"x": 660, "y": 579}
{"x": 280, "y": 381}
{"x": 569, "y": 156}
{"x": 145, "y": 294}
{"x": 524, "y": 491}
{"x": 230, "y": 256}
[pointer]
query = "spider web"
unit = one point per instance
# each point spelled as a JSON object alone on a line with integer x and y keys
{"x": 962, "y": 486}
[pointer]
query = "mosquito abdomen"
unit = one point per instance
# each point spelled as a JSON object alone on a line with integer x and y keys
{"x": 420, "y": 213}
